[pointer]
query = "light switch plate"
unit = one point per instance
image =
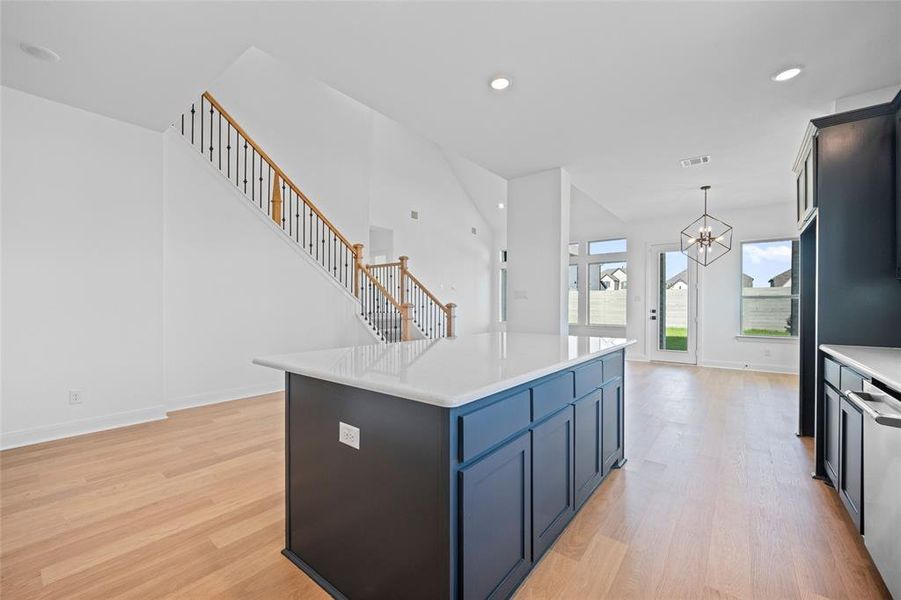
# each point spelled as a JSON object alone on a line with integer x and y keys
{"x": 349, "y": 435}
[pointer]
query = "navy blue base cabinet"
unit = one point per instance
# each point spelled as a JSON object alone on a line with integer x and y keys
{"x": 444, "y": 502}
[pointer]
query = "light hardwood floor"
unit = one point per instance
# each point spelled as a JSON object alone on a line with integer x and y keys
{"x": 715, "y": 501}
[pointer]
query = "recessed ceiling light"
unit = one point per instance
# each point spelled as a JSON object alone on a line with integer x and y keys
{"x": 500, "y": 205}
{"x": 786, "y": 74}
{"x": 500, "y": 83}
{"x": 39, "y": 52}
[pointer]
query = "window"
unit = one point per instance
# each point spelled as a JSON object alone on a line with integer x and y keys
{"x": 607, "y": 284}
{"x": 502, "y": 288}
{"x": 573, "y": 294}
{"x": 769, "y": 288}
{"x": 607, "y": 246}
{"x": 502, "y": 309}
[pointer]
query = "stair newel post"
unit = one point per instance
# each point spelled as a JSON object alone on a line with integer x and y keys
{"x": 406, "y": 324}
{"x": 451, "y": 318}
{"x": 403, "y": 278}
{"x": 358, "y": 268}
{"x": 276, "y": 199}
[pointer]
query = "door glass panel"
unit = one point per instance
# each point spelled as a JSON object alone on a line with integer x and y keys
{"x": 673, "y": 301}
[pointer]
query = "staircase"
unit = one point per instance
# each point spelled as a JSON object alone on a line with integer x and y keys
{"x": 393, "y": 302}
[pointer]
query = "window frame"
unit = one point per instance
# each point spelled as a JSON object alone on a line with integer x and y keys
{"x": 582, "y": 262}
{"x": 502, "y": 287}
{"x": 741, "y": 305}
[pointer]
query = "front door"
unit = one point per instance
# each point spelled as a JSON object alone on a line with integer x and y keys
{"x": 672, "y": 312}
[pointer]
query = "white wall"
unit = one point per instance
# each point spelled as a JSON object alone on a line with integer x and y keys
{"x": 133, "y": 272}
{"x": 236, "y": 287}
{"x": 82, "y": 263}
{"x": 538, "y": 222}
{"x": 718, "y": 314}
{"x": 411, "y": 173}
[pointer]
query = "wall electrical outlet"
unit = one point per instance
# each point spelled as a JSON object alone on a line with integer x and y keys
{"x": 348, "y": 434}
{"x": 74, "y": 397}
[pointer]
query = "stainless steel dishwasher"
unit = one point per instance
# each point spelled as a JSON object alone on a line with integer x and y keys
{"x": 882, "y": 481}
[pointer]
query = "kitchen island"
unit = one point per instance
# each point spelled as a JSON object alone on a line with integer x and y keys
{"x": 444, "y": 468}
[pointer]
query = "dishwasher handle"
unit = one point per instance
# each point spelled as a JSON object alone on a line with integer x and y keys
{"x": 879, "y": 406}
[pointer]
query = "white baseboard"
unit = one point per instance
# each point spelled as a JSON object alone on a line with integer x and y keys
{"x": 223, "y": 396}
{"x": 637, "y": 357}
{"x": 764, "y": 368}
{"x": 46, "y": 433}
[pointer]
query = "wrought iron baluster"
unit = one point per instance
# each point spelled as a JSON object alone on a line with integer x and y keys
{"x": 211, "y": 132}
{"x": 201, "y": 125}
{"x": 228, "y": 150}
{"x": 245, "y": 165}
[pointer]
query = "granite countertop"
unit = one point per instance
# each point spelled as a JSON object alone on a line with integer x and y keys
{"x": 447, "y": 372}
{"x": 879, "y": 363}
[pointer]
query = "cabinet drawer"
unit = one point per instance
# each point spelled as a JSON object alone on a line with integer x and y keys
{"x": 483, "y": 428}
{"x": 613, "y": 366}
{"x": 552, "y": 395}
{"x": 589, "y": 377}
{"x": 831, "y": 371}
{"x": 851, "y": 380}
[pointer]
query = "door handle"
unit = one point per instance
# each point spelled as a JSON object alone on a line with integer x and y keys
{"x": 653, "y": 318}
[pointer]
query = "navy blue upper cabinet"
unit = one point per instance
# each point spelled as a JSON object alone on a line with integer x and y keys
{"x": 612, "y": 421}
{"x": 898, "y": 191}
{"x": 588, "y": 464}
{"x": 552, "y": 479}
{"x": 495, "y": 521}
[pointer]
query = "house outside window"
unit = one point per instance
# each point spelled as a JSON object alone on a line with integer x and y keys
{"x": 769, "y": 288}
{"x": 598, "y": 283}
{"x": 607, "y": 284}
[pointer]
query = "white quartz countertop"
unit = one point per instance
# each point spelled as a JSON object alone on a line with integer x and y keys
{"x": 879, "y": 363}
{"x": 447, "y": 372}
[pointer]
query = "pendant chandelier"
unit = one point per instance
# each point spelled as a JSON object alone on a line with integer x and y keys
{"x": 707, "y": 238}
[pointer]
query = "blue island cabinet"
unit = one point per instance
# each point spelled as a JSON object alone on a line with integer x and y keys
{"x": 457, "y": 503}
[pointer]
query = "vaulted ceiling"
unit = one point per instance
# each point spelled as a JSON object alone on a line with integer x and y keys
{"x": 615, "y": 92}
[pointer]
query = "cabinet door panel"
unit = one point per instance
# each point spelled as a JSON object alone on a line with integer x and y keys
{"x": 552, "y": 479}
{"x": 832, "y": 402}
{"x": 495, "y": 520}
{"x": 850, "y": 473}
{"x": 612, "y": 423}
{"x": 588, "y": 464}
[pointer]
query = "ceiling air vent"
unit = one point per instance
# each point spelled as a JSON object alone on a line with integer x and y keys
{"x": 694, "y": 161}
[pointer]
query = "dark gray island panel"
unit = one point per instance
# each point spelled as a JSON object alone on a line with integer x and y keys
{"x": 444, "y": 502}
{"x": 371, "y": 519}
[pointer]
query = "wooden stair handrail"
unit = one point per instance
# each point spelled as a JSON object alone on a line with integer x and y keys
{"x": 276, "y": 168}
{"x": 427, "y": 292}
{"x": 276, "y": 209}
